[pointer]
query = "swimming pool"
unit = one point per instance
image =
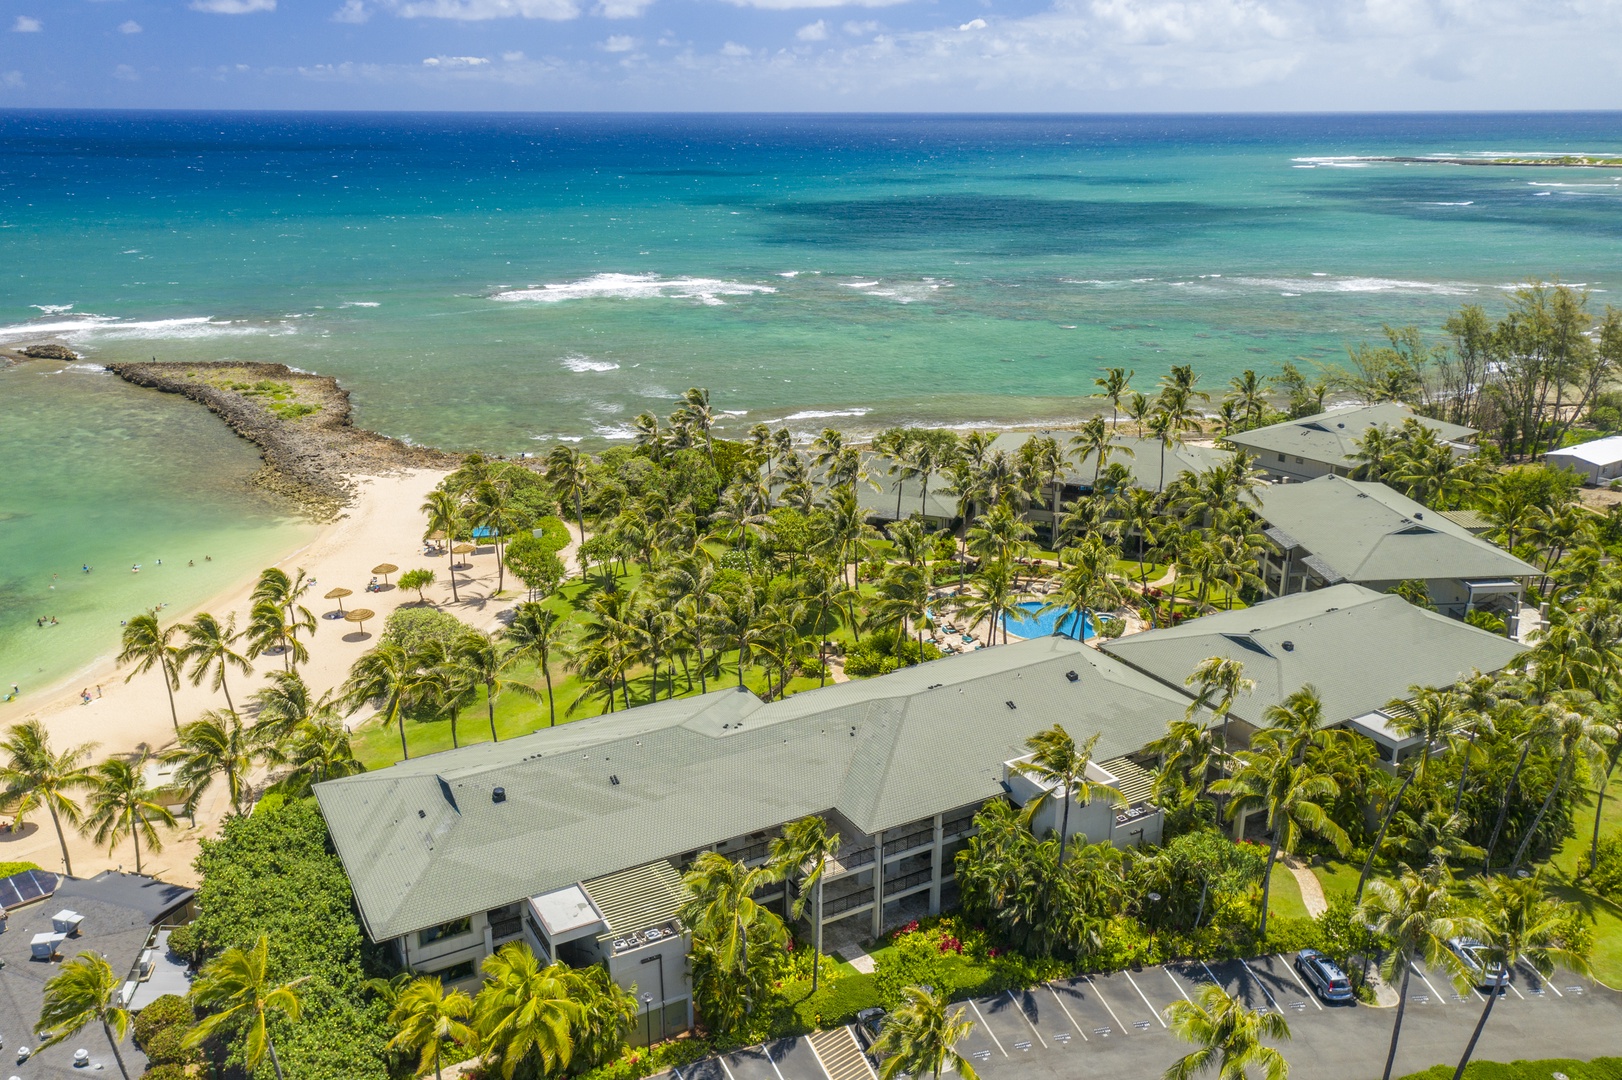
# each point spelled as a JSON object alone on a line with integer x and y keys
{"x": 1035, "y": 623}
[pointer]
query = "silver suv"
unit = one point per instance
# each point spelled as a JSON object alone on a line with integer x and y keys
{"x": 1323, "y": 975}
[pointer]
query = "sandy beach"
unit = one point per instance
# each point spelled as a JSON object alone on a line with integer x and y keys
{"x": 383, "y": 526}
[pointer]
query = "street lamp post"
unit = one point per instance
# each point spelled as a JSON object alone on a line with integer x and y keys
{"x": 647, "y": 1023}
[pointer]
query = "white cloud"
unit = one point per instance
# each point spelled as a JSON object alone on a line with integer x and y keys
{"x": 621, "y": 9}
{"x": 861, "y": 29}
{"x": 512, "y": 57}
{"x": 790, "y": 5}
{"x": 618, "y": 43}
{"x": 27, "y": 24}
{"x": 233, "y": 7}
{"x": 125, "y": 73}
{"x": 974, "y": 24}
{"x": 456, "y": 61}
{"x": 353, "y": 12}
{"x": 481, "y": 10}
{"x": 12, "y": 80}
{"x": 817, "y": 31}
{"x": 732, "y": 48}
{"x": 129, "y": 26}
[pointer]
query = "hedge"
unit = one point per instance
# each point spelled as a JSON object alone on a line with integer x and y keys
{"x": 275, "y": 873}
{"x": 553, "y": 533}
{"x": 1605, "y": 1068}
{"x": 9, "y": 868}
{"x": 164, "y": 1012}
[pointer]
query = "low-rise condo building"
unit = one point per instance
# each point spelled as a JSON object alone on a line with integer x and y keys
{"x": 1326, "y": 444}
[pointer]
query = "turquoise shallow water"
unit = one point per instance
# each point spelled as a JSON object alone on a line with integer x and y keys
{"x": 95, "y": 472}
{"x": 506, "y": 281}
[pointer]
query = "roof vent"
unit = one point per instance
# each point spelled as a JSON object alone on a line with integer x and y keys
{"x": 422, "y": 813}
{"x": 615, "y": 780}
{"x": 1072, "y": 676}
{"x": 1418, "y": 516}
{"x": 1010, "y": 704}
{"x": 1289, "y": 646}
{"x": 498, "y": 795}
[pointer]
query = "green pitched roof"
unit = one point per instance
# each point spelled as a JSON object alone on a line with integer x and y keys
{"x": 423, "y": 842}
{"x": 1140, "y": 456}
{"x": 1365, "y": 531}
{"x": 1360, "y": 649}
{"x": 1331, "y": 437}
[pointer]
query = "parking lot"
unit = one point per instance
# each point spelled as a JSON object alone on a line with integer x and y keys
{"x": 1115, "y": 1023}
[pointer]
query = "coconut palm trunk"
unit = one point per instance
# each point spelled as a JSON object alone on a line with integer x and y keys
{"x": 1396, "y": 1028}
{"x": 1599, "y": 802}
{"x": 1391, "y": 812}
{"x": 1475, "y": 1036}
{"x": 270, "y": 1044}
{"x": 56, "y": 822}
{"x": 107, "y": 1030}
{"x": 1503, "y": 809}
{"x": 1267, "y": 883}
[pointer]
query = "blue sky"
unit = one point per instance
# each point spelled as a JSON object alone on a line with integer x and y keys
{"x": 835, "y": 55}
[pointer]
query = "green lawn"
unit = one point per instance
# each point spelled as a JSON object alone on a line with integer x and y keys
{"x": 1338, "y": 876}
{"x": 1284, "y": 895}
{"x": 1607, "y": 914}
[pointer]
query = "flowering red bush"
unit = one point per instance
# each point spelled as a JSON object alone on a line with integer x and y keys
{"x": 951, "y": 944}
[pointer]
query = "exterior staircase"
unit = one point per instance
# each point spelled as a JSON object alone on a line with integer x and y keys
{"x": 841, "y": 1056}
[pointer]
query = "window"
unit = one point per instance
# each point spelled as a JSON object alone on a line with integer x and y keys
{"x": 1298, "y": 461}
{"x": 454, "y": 928}
{"x": 455, "y": 973}
{"x": 1281, "y": 457}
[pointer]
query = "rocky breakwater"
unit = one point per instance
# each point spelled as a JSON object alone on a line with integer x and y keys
{"x": 300, "y": 422}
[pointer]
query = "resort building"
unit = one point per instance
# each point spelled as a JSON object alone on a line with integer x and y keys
{"x": 1333, "y": 530}
{"x": 572, "y": 838}
{"x": 1326, "y": 444}
{"x": 1360, "y": 649}
{"x": 1597, "y": 462}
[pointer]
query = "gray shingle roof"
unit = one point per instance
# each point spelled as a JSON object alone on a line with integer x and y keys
{"x": 1365, "y": 531}
{"x": 424, "y": 843}
{"x": 1143, "y": 464}
{"x": 1359, "y": 648}
{"x": 1331, "y": 436}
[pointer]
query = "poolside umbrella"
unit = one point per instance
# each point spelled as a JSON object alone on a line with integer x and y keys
{"x": 360, "y": 615}
{"x": 338, "y": 595}
{"x": 385, "y": 569}
{"x": 463, "y": 549}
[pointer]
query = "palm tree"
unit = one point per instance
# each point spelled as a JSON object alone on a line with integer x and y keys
{"x": 1114, "y": 384}
{"x": 695, "y": 409}
{"x": 1578, "y": 735}
{"x": 919, "y": 1038}
{"x": 268, "y": 628}
{"x": 1229, "y": 1037}
{"x": 804, "y": 849}
{"x": 391, "y": 673}
{"x": 120, "y": 799}
{"x": 1086, "y": 586}
{"x": 1219, "y": 681}
{"x": 444, "y": 513}
{"x": 1292, "y": 796}
{"x": 1247, "y": 394}
{"x": 236, "y": 987}
{"x": 1138, "y": 407}
{"x": 726, "y": 922}
{"x": 208, "y": 644}
{"x": 1059, "y": 766}
{"x": 1519, "y": 922}
{"x": 425, "y": 1016}
{"x": 1097, "y": 442}
{"x": 86, "y": 989}
{"x": 33, "y": 774}
{"x": 536, "y": 632}
{"x": 318, "y": 750}
{"x": 991, "y": 599}
{"x": 217, "y": 744}
{"x": 1187, "y": 749}
{"x": 525, "y": 1011}
{"x": 904, "y": 597}
{"x": 148, "y": 645}
{"x": 1415, "y": 912}
{"x": 277, "y": 588}
{"x": 476, "y": 659}
{"x": 492, "y": 509}
{"x": 284, "y": 705}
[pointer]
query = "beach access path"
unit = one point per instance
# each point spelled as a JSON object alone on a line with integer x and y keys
{"x": 385, "y": 525}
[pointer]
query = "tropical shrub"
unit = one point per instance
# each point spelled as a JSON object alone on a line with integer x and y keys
{"x": 167, "y": 1072}
{"x": 1486, "y": 620}
{"x": 9, "y": 868}
{"x": 1606, "y": 1068}
{"x": 880, "y": 653}
{"x": 418, "y": 579}
{"x": 165, "y": 1012}
{"x": 417, "y": 627}
{"x": 1605, "y": 874}
{"x": 164, "y": 1047}
{"x": 554, "y": 533}
{"x": 274, "y": 873}
{"x": 645, "y": 1061}
{"x": 535, "y": 562}
{"x": 183, "y": 939}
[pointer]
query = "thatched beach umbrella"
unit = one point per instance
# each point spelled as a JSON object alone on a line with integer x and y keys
{"x": 338, "y": 595}
{"x": 385, "y": 569}
{"x": 360, "y": 615}
{"x": 464, "y": 549}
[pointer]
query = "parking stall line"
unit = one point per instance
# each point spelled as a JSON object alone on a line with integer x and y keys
{"x": 1105, "y": 1002}
{"x": 767, "y": 1049}
{"x": 1178, "y": 985}
{"x": 1079, "y": 1030}
{"x": 1548, "y": 983}
{"x": 1436, "y": 995}
{"x": 987, "y": 1026}
{"x": 1021, "y": 1010}
{"x": 1511, "y": 984}
{"x": 724, "y": 1068}
{"x": 1153, "y": 1011}
{"x": 1272, "y": 1000}
{"x": 1305, "y": 989}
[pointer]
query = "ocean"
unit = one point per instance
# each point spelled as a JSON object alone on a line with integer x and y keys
{"x": 503, "y": 282}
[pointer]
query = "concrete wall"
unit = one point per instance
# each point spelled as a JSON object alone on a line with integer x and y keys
{"x": 1277, "y": 466}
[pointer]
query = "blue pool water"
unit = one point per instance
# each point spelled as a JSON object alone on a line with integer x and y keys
{"x": 1037, "y": 623}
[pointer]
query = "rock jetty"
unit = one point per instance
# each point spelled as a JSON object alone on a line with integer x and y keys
{"x": 300, "y": 422}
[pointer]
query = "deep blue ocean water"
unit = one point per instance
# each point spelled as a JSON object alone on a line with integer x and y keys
{"x": 501, "y": 281}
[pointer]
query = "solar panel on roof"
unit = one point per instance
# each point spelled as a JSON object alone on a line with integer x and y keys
{"x": 26, "y": 886}
{"x": 8, "y": 895}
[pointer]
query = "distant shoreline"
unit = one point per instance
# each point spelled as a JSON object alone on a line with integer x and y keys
{"x": 300, "y": 422}
{"x": 1566, "y": 161}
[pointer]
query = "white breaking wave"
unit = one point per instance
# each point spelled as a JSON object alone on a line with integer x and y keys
{"x": 52, "y": 309}
{"x": 582, "y": 364}
{"x": 89, "y": 328}
{"x": 636, "y": 287}
{"x": 734, "y": 412}
{"x": 909, "y": 293}
{"x": 360, "y": 303}
{"x": 617, "y": 432}
{"x": 1316, "y": 284}
{"x": 1467, "y": 202}
{"x": 823, "y": 414}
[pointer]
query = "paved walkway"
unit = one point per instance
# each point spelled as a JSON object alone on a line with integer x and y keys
{"x": 1312, "y": 890}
